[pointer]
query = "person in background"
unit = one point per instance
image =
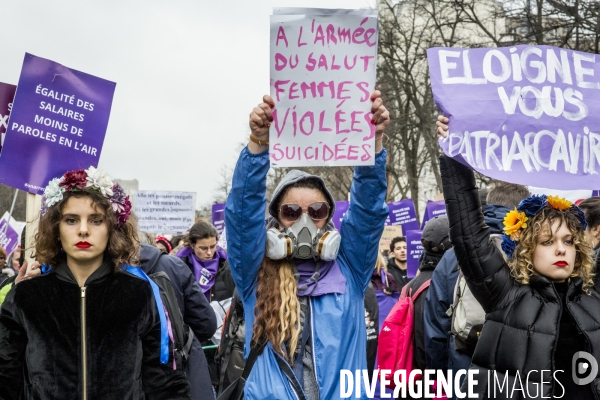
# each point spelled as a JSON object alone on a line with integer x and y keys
{"x": 207, "y": 261}
{"x": 14, "y": 260}
{"x": 591, "y": 208}
{"x": 195, "y": 310}
{"x": 6, "y": 272}
{"x": 435, "y": 241}
{"x": 397, "y": 261}
{"x": 440, "y": 351}
{"x": 385, "y": 287}
{"x": 163, "y": 244}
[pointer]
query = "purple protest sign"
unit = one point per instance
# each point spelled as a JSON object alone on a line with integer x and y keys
{"x": 7, "y": 94}
{"x": 57, "y": 123}
{"x": 595, "y": 193}
{"x": 9, "y": 237}
{"x": 433, "y": 209}
{"x": 521, "y": 114}
{"x": 414, "y": 249}
{"x": 403, "y": 213}
{"x": 340, "y": 210}
{"x": 218, "y": 217}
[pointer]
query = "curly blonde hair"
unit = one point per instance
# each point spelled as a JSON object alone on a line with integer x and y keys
{"x": 277, "y": 308}
{"x": 522, "y": 263}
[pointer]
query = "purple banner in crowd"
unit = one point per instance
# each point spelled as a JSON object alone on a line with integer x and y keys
{"x": 414, "y": 248}
{"x": 521, "y": 114}
{"x": 57, "y": 124}
{"x": 403, "y": 213}
{"x": 433, "y": 209}
{"x": 7, "y": 94}
{"x": 340, "y": 210}
{"x": 9, "y": 238}
{"x": 218, "y": 217}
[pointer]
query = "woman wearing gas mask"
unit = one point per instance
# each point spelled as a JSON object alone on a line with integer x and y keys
{"x": 302, "y": 283}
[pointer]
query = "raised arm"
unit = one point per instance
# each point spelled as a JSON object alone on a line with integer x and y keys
{"x": 362, "y": 225}
{"x": 480, "y": 260}
{"x": 245, "y": 208}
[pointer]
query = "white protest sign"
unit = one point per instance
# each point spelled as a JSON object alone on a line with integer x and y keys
{"x": 164, "y": 212}
{"x": 323, "y": 70}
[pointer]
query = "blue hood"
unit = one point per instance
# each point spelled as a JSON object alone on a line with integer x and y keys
{"x": 494, "y": 217}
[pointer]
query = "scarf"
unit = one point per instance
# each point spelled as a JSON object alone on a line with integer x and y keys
{"x": 205, "y": 271}
{"x": 328, "y": 279}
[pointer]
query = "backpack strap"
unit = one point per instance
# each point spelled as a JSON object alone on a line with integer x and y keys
{"x": 164, "y": 332}
{"x": 424, "y": 286}
{"x": 287, "y": 370}
{"x": 254, "y": 353}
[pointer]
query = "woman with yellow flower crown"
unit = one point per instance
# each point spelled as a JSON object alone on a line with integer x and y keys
{"x": 541, "y": 338}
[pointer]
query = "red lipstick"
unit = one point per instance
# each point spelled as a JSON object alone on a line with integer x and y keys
{"x": 561, "y": 263}
{"x": 83, "y": 245}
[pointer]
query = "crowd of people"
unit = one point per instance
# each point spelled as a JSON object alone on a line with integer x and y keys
{"x": 506, "y": 284}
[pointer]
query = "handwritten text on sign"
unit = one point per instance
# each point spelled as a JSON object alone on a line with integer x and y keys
{"x": 322, "y": 74}
{"x": 164, "y": 212}
{"x": 521, "y": 114}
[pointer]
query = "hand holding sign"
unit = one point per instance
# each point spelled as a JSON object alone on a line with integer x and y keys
{"x": 261, "y": 118}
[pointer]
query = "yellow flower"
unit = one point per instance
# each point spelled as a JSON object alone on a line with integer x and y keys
{"x": 559, "y": 203}
{"x": 513, "y": 221}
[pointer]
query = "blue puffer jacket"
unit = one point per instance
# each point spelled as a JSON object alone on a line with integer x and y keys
{"x": 338, "y": 321}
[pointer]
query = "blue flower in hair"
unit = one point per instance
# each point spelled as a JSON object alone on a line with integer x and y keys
{"x": 581, "y": 217}
{"x": 533, "y": 204}
{"x": 508, "y": 246}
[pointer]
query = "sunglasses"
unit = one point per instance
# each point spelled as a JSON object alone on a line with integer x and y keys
{"x": 292, "y": 212}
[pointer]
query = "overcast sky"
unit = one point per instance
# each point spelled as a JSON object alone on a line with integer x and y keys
{"x": 188, "y": 73}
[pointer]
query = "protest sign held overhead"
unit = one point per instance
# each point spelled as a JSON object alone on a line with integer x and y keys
{"x": 218, "y": 217}
{"x": 7, "y": 94}
{"x": 521, "y": 114}
{"x": 414, "y": 249}
{"x": 323, "y": 69}
{"x": 432, "y": 210}
{"x": 57, "y": 123}
{"x": 10, "y": 233}
{"x": 164, "y": 212}
{"x": 403, "y": 213}
{"x": 341, "y": 207}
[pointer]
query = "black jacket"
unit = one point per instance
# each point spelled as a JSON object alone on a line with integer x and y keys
{"x": 427, "y": 265}
{"x": 196, "y": 311}
{"x": 522, "y": 322}
{"x": 400, "y": 275}
{"x": 224, "y": 285}
{"x": 42, "y": 353}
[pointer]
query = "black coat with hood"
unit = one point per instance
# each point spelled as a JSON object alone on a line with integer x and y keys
{"x": 195, "y": 309}
{"x": 43, "y": 355}
{"x": 521, "y": 331}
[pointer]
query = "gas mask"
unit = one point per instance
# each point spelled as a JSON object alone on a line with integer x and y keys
{"x": 303, "y": 240}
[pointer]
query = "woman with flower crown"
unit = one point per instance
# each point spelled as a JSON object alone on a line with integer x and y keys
{"x": 542, "y": 325}
{"x": 85, "y": 329}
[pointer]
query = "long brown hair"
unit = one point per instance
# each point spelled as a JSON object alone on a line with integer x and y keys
{"x": 277, "y": 311}
{"x": 521, "y": 265}
{"x": 123, "y": 244}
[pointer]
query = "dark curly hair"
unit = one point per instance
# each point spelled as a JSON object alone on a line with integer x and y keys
{"x": 123, "y": 244}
